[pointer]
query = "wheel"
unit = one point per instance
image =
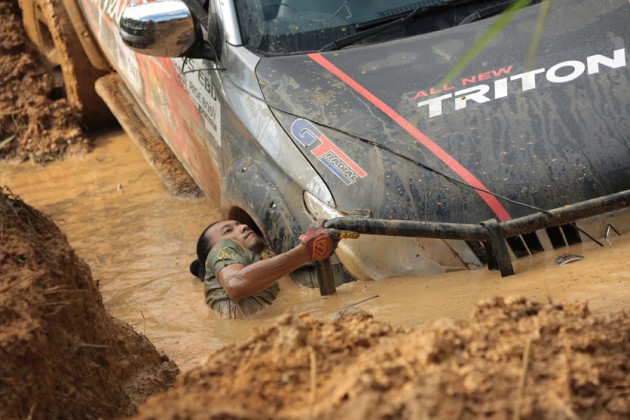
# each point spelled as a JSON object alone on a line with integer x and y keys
{"x": 48, "y": 25}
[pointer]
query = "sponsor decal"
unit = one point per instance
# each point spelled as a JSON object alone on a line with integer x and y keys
{"x": 112, "y": 8}
{"x": 194, "y": 75}
{"x": 563, "y": 72}
{"x": 128, "y": 62}
{"x": 115, "y": 8}
{"x": 326, "y": 151}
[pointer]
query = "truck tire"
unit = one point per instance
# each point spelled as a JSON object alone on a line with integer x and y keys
{"x": 48, "y": 25}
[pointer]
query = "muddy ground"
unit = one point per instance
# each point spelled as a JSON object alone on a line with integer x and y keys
{"x": 511, "y": 359}
{"x": 64, "y": 356}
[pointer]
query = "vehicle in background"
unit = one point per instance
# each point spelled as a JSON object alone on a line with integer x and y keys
{"x": 294, "y": 111}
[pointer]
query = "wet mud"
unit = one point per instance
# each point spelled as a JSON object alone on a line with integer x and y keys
{"x": 511, "y": 359}
{"x": 138, "y": 241}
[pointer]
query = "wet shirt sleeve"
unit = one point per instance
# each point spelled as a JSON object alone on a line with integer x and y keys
{"x": 227, "y": 252}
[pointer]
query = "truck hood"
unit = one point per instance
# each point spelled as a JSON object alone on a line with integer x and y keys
{"x": 502, "y": 139}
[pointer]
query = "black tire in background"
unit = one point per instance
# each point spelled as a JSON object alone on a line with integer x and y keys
{"x": 48, "y": 25}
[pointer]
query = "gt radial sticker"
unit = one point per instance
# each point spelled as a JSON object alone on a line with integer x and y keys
{"x": 326, "y": 151}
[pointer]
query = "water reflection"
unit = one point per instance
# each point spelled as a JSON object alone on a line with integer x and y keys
{"x": 138, "y": 241}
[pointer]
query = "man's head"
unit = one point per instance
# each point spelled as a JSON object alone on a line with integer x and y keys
{"x": 235, "y": 230}
{"x": 219, "y": 230}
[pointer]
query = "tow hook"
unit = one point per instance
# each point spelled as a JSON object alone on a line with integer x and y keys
{"x": 325, "y": 275}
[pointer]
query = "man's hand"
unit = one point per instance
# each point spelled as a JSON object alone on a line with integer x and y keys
{"x": 319, "y": 243}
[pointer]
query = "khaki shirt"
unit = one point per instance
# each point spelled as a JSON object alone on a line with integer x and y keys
{"x": 223, "y": 253}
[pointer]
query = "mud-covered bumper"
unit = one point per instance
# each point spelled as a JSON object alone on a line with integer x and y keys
{"x": 497, "y": 243}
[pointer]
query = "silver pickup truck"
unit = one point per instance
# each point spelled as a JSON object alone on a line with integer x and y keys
{"x": 338, "y": 112}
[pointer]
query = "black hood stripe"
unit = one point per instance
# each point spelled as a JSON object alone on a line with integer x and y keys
{"x": 433, "y": 147}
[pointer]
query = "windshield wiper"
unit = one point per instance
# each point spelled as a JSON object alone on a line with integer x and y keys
{"x": 404, "y": 17}
{"x": 487, "y": 12}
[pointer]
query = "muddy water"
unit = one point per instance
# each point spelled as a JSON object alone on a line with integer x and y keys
{"x": 138, "y": 241}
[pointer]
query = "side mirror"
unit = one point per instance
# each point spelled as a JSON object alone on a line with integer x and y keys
{"x": 162, "y": 29}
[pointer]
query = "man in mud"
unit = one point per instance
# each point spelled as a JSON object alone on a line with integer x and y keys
{"x": 236, "y": 280}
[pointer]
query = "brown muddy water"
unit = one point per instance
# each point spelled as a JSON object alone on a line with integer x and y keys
{"x": 139, "y": 240}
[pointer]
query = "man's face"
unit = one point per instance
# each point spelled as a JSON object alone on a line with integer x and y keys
{"x": 237, "y": 231}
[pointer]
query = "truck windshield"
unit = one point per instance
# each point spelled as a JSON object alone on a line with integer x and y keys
{"x": 279, "y": 27}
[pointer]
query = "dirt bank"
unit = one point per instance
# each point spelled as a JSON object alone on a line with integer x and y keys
{"x": 63, "y": 355}
{"x": 36, "y": 122}
{"x": 511, "y": 359}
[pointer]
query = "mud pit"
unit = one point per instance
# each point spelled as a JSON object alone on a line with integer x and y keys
{"x": 64, "y": 356}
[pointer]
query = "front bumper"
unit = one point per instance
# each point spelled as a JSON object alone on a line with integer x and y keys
{"x": 497, "y": 243}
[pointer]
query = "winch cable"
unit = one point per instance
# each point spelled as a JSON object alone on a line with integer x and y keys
{"x": 400, "y": 155}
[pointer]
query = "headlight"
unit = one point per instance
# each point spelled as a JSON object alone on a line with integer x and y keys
{"x": 318, "y": 210}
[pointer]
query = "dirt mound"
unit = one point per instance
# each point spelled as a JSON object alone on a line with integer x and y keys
{"x": 62, "y": 354}
{"x": 512, "y": 358}
{"x": 35, "y": 121}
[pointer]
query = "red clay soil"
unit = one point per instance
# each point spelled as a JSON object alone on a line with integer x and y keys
{"x": 35, "y": 121}
{"x": 63, "y": 355}
{"x": 511, "y": 359}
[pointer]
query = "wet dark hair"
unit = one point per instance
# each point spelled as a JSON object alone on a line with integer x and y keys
{"x": 198, "y": 267}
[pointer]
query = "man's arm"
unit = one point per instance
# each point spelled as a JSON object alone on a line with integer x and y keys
{"x": 242, "y": 281}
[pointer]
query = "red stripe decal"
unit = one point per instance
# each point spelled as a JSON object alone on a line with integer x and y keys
{"x": 469, "y": 178}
